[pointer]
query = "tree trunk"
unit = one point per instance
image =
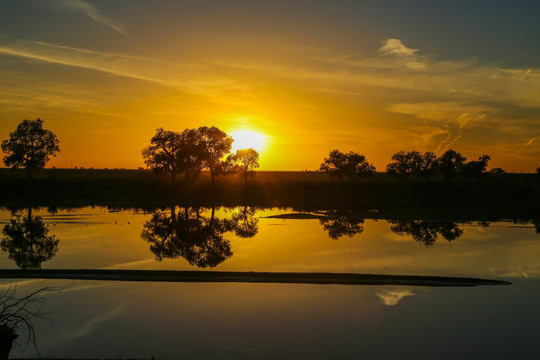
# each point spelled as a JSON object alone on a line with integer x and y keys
{"x": 7, "y": 336}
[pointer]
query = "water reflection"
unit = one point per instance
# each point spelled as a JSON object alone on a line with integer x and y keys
{"x": 198, "y": 238}
{"x": 338, "y": 225}
{"x": 28, "y": 242}
{"x": 426, "y": 232}
{"x": 244, "y": 223}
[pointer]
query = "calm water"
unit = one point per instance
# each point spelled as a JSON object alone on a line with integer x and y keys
{"x": 93, "y": 319}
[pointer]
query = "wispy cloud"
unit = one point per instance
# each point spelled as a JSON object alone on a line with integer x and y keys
{"x": 189, "y": 77}
{"x": 92, "y": 325}
{"x": 449, "y": 118}
{"x": 92, "y": 12}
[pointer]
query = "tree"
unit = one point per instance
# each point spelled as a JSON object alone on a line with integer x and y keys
{"x": 477, "y": 168}
{"x": 16, "y": 315}
{"x": 189, "y": 152}
{"x": 30, "y": 146}
{"x": 351, "y": 165}
{"x": 450, "y": 164}
{"x": 428, "y": 165}
{"x": 410, "y": 163}
{"x": 215, "y": 145}
{"x": 244, "y": 161}
{"x": 334, "y": 164}
{"x": 161, "y": 155}
{"x": 405, "y": 163}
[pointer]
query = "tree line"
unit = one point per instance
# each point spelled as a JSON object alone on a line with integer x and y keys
{"x": 405, "y": 164}
{"x": 192, "y": 151}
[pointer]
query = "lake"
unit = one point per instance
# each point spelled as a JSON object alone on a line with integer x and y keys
{"x": 113, "y": 319}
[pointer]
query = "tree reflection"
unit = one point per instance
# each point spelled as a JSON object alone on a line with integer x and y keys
{"x": 338, "y": 225}
{"x": 196, "y": 237}
{"x": 426, "y": 232}
{"x": 244, "y": 223}
{"x": 27, "y": 241}
{"x": 536, "y": 224}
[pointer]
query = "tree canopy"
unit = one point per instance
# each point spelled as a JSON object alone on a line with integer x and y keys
{"x": 30, "y": 146}
{"x": 189, "y": 151}
{"x": 216, "y": 144}
{"x": 350, "y": 165}
{"x": 450, "y": 164}
{"x": 244, "y": 162}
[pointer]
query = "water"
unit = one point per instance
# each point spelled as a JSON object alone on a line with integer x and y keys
{"x": 96, "y": 319}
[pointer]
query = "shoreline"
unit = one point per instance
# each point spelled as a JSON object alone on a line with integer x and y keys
{"x": 248, "y": 277}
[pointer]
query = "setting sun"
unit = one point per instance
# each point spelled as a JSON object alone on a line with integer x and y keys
{"x": 244, "y": 139}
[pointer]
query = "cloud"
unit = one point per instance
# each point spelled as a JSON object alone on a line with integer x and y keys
{"x": 396, "y": 47}
{"x": 92, "y": 12}
{"x": 448, "y": 117}
{"x": 393, "y": 297}
{"x": 188, "y": 77}
{"x": 92, "y": 325}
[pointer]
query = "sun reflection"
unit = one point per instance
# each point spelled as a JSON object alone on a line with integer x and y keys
{"x": 244, "y": 139}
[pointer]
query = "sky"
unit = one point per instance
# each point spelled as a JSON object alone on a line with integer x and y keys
{"x": 374, "y": 77}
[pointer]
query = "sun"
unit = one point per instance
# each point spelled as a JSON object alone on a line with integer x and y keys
{"x": 244, "y": 139}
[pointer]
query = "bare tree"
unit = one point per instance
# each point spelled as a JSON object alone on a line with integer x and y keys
{"x": 16, "y": 315}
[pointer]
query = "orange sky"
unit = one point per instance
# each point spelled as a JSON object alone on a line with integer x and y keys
{"x": 104, "y": 75}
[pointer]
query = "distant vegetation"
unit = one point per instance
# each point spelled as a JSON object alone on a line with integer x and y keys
{"x": 412, "y": 179}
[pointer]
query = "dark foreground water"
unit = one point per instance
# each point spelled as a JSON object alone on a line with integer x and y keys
{"x": 97, "y": 319}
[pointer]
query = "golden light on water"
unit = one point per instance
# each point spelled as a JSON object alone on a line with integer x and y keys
{"x": 244, "y": 139}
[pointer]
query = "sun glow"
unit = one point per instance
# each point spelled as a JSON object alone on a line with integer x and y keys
{"x": 244, "y": 139}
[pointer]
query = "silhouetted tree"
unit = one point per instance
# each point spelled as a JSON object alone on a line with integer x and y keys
{"x": 243, "y": 162}
{"x": 410, "y": 163}
{"x": 27, "y": 241}
{"x": 190, "y": 152}
{"x": 338, "y": 225}
{"x": 16, "y": 315}
{"x": 161, "y": 155}
{"x": 30, "y": 146}
{"x": 475, "y": 169}
{"x": 426, "y": 232}
{"x": 334, "y": 164}
{"x": 404, "y": 163}
{"x": 428, "y": 166}
{"x": 450, "y": 164}
{"x": 351, "y": 165}
{"x": 216, "y": 144}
